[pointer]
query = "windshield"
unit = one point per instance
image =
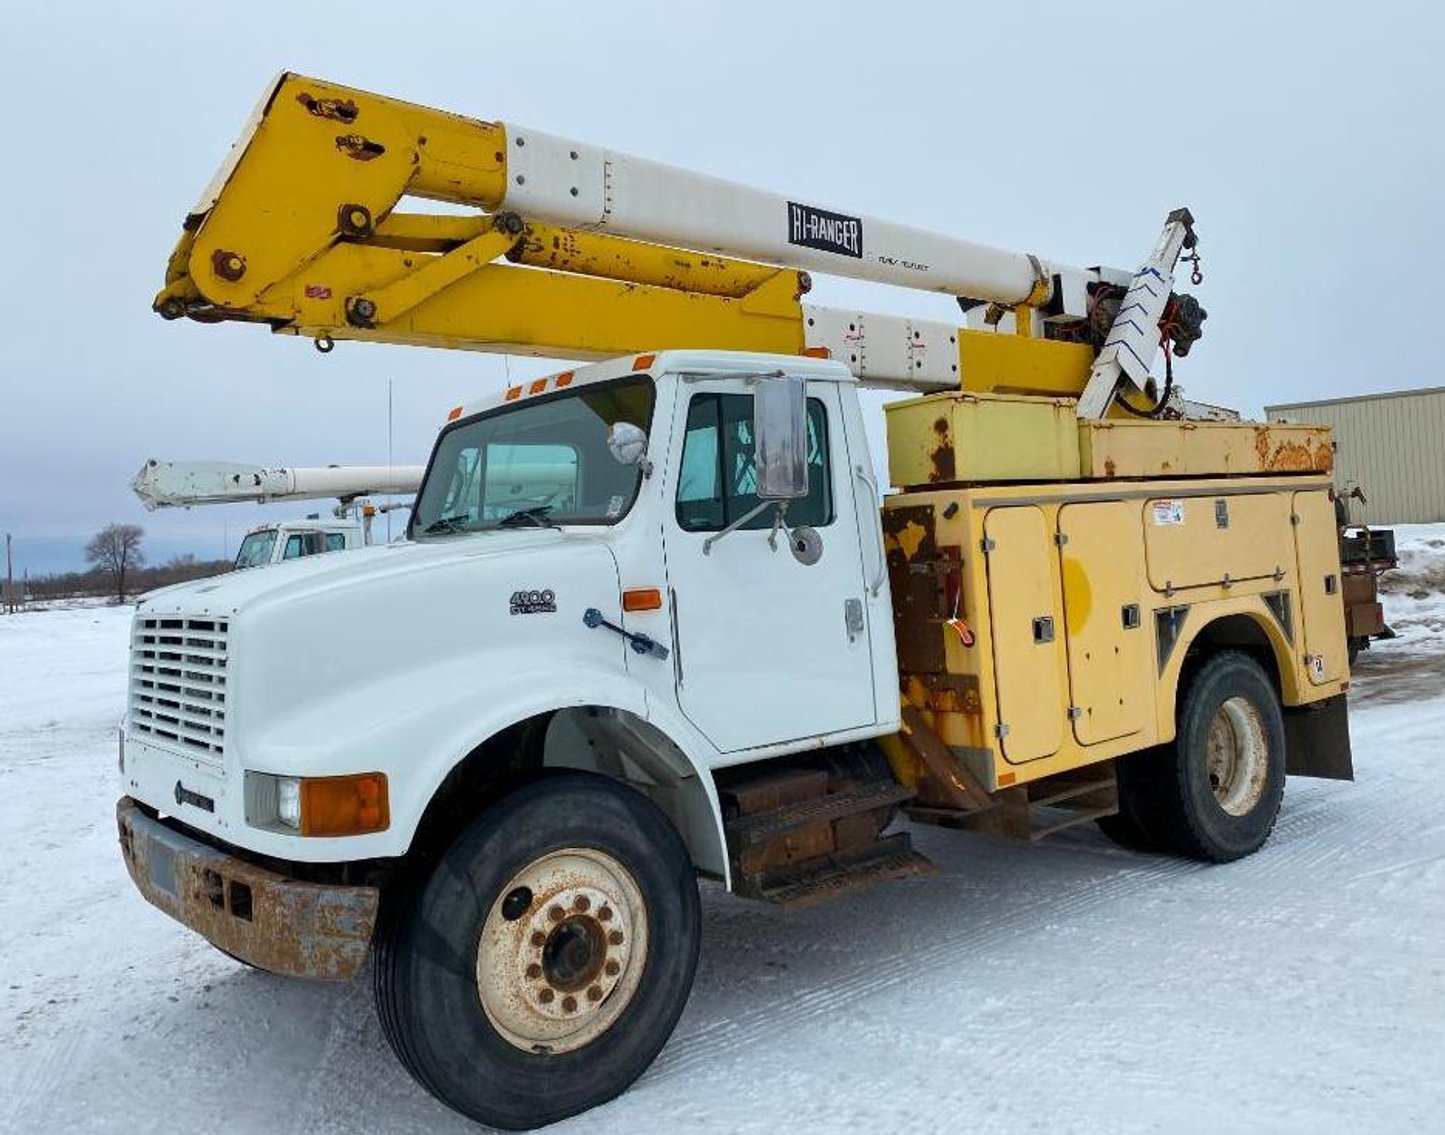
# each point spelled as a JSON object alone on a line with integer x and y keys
{"x": 256, "y": 548}
{"x": 537, "y": 463}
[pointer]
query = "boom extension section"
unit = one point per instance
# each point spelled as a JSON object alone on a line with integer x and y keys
{"x": 181, "y": 484}
{"x": 300, "y": 229}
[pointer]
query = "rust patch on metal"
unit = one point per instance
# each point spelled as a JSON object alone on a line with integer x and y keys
{"x": 288, "y": 927}
{"x": 1109, "y": 466}
{"x": 941, "y": 454}
{"x": 340, "y": 110}
{"x": 361, "y": 148}
{"x": 1287, "y": 456}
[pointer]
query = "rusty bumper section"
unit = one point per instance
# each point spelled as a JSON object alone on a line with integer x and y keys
{"x": 287, "y": 927}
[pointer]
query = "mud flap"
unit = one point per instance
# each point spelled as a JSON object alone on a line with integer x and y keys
{"x": 1317, "y": 740}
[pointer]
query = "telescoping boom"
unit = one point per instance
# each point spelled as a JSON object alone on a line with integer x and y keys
{"x": 181, "y": 484}
{"x": 301, "y": 229}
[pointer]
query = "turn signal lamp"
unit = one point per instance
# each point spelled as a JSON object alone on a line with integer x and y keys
{"x": 344, "y": 805}
{"x": 642, "y": 599}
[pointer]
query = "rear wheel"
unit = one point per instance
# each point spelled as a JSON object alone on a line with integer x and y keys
{"x": 547, "y": 958}
{"x": 1134, "y": 777}
{"x": 1215, "y": 792}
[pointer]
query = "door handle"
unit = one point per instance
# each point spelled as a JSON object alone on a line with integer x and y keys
{"x": 874, "y": 525}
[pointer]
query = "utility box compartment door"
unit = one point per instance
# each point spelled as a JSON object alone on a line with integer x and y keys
{"x": 1027, "y": 633}
{"x": 1199, "y": 541}
{"x": 1101, "y": 558}
{"x": 1322, "y": 607}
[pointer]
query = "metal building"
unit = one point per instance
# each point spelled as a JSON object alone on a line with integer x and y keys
{"x": 1391, "y": 445}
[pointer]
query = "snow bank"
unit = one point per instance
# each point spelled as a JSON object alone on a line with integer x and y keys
{"x": 1414, "y": 593}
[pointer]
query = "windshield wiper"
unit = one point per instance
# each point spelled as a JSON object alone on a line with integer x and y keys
{"x": 446, "y": 524}
{"x": 535, "y": 514}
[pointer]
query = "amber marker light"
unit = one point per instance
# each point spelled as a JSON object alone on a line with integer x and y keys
{"x": 344, "y": 805}
{"x": 454, "y": 413}
{"x": 642, "y": 362}
{"x": 642, "y": 599}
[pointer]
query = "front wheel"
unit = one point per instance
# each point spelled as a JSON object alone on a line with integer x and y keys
{"x": 547, "y": 958}
{"x": 1215, "y": 792}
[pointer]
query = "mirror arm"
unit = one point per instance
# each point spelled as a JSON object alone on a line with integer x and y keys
{"x": 780, "y": 521}
{"x": 734, "y": 526}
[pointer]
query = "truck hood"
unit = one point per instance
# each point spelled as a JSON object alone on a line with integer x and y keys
{"x": 230, "y": 594}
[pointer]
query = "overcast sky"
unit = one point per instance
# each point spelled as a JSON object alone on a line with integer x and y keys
{"x": 1306, "y": 137}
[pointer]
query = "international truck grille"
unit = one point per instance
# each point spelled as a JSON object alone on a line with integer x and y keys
{"x": 178, "y": 684}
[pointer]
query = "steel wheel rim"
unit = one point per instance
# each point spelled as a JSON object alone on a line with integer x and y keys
{"x": 562, "y": 950}
{"x": 1237, "y": 756}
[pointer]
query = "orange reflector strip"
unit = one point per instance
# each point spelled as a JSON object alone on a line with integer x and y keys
{"x": 514, "y": 393}
{"x": 1006, "y": 778}
{"x": 816, "y": 353}
{"x": 344, "y": 805}
{"x": 454, "y": 413}
{"x": 538, "y": 386}
{"x": 642, "y": 362}
{"x": 642, "y": 599}
{"x": 564, "y": 379}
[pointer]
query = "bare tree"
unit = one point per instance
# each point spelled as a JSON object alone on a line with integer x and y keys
{"x": 116, "y": 550}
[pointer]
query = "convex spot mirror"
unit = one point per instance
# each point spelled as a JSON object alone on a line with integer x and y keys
{"x": 780, "y": 437}
{"x": 627, "y": 442}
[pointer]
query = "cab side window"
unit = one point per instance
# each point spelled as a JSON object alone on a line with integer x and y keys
{"x": 717, "y": 482}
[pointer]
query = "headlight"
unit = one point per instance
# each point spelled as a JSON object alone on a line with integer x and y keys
{"x": 288, "y": 801}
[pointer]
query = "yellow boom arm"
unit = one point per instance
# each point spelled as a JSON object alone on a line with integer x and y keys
{"x": 301, "y": 229}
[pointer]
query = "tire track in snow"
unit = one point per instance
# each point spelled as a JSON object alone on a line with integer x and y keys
{"x": 866, "y": 978}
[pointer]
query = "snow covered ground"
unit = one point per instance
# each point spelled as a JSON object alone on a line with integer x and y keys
{"x": 1060, "y": 987}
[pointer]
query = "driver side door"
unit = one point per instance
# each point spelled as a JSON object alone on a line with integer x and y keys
{"x": 770, "y": 649}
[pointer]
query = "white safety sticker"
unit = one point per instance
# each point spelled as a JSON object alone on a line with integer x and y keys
{"x": 1167, "y": 512}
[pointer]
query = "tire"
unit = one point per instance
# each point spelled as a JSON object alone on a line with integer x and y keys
{"x": 1134, "y": 775}
{"x": 509, "y": 986}
{"x": 1215, "y": 792}
{"x": 1354, "y": 649}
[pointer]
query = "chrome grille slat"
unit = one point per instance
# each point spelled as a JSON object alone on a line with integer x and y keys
{"x": 178, "y": 683}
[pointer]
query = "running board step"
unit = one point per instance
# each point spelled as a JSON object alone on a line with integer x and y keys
{"x": 1033, "y": 811}
{"x": 836, "y": 875}
{"x": 761, "y": 827}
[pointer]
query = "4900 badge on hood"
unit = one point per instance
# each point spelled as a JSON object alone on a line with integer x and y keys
{"x": 534, "y": 602}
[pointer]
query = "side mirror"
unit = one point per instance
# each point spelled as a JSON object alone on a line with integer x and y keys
{"x": 627, "y": 442}
{"x": 780, "y": 437}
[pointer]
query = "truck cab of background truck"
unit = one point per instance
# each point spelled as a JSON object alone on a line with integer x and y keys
{"x": 553, "y": 574}
{"x": 294, "y": 539}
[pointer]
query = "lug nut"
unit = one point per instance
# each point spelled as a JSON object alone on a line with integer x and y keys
{"x": 582, "y": 902}
{"x": 615, "y": 937}
{"x": 605, "y": 914}
{"x": 556, "y": 914}
{"x": 534, "y": 971}
{"x": 546, "y": 996}
{"x": 538, "y": 939}
{"x": 569, "y": 1004}
{"x": 594, "y": 993}
{"x": 612, "y": 969}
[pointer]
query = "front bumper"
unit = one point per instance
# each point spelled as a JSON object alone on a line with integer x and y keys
{"x": 299, "y": 929}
